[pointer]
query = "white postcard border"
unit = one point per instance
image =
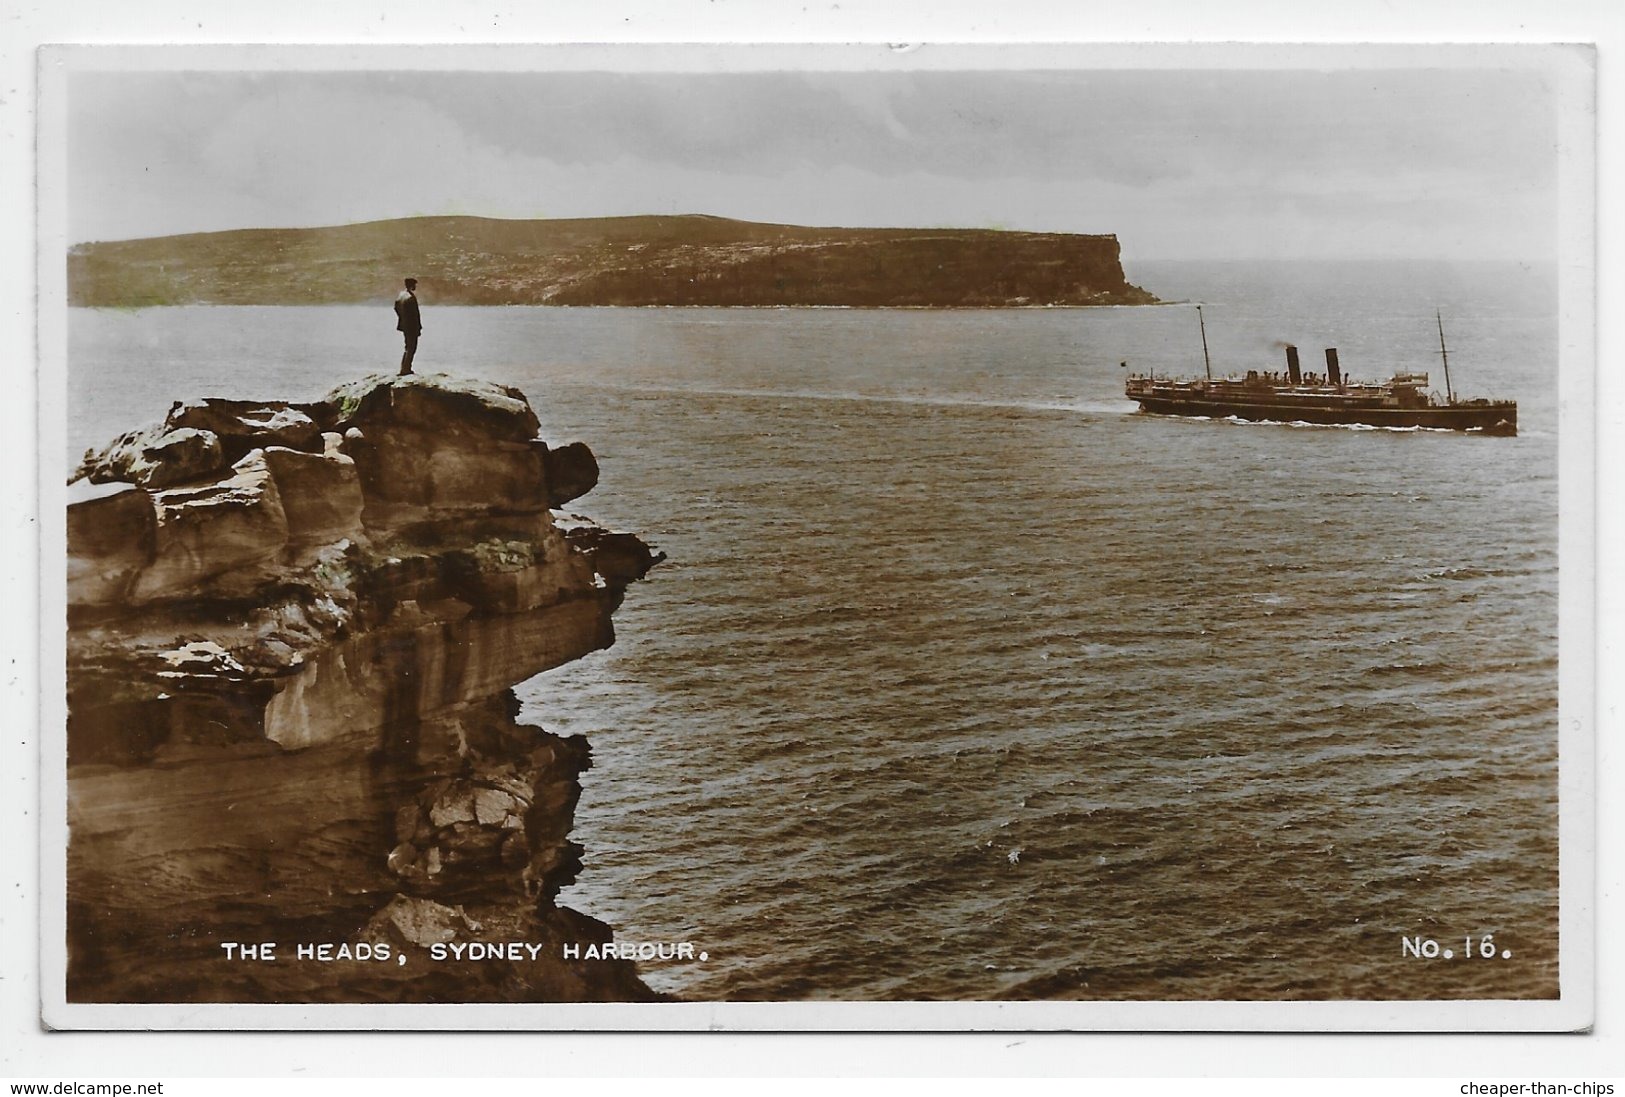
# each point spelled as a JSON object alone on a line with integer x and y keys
{"x": 1572, "y": 69}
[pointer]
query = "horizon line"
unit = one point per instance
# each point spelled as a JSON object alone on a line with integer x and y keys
{"x": 1127, "y": 255}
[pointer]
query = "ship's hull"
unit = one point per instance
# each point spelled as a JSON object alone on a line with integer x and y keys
{"x": 1490, "y": 418}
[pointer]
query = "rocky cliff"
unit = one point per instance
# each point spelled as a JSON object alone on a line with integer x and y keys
{"x": 293, "y": 633}
{"x": 691, "y": 260}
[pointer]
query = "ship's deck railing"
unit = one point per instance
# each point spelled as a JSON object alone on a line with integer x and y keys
{"x": 1282, "y": 388}
{"x": 1280, "y": 384}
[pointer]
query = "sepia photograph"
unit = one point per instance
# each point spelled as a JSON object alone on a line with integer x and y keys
{"x": 818, "y": 537}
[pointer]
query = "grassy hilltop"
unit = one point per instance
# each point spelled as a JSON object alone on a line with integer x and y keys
{"x": 681, "y": 260}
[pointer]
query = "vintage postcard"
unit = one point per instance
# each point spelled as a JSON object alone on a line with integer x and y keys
{"x": 818, "y": 538}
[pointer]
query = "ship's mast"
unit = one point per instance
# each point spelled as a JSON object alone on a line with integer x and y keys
{"x": 1206, "y": 364}
{"x": 1445, "y": 354}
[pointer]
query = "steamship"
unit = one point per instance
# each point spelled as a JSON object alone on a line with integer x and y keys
{"x": 1331, "y": 398}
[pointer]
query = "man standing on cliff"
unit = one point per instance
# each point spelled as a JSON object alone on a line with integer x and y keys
{"x": 408, "y": 322}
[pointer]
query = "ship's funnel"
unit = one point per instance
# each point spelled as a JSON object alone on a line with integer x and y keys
{"x": 1333, "y": 373}
{"x": 1293, "y": 373}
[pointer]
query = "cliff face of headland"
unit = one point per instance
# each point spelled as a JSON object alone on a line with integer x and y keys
{"x": 293, "y": 633}
{"x": 689, "y": 260}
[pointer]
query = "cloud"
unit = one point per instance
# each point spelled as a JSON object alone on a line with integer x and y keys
{"x": 1332, "y": 162}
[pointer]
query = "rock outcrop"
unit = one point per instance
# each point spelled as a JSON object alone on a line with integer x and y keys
{"x": 293, "y": 633}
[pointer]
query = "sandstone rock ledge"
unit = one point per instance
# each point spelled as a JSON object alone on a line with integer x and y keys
{"x": 293, "y": 633}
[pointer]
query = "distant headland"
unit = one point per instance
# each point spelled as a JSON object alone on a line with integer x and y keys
{"x": 652, "y": 260}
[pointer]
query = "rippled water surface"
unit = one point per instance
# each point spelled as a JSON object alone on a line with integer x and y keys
{"x": 965, "y": 680}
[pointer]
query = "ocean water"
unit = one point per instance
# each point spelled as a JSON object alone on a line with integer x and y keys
{"x": 964, "y": 680}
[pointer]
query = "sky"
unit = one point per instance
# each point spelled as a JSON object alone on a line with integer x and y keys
{"x": 1179, "y": 164}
